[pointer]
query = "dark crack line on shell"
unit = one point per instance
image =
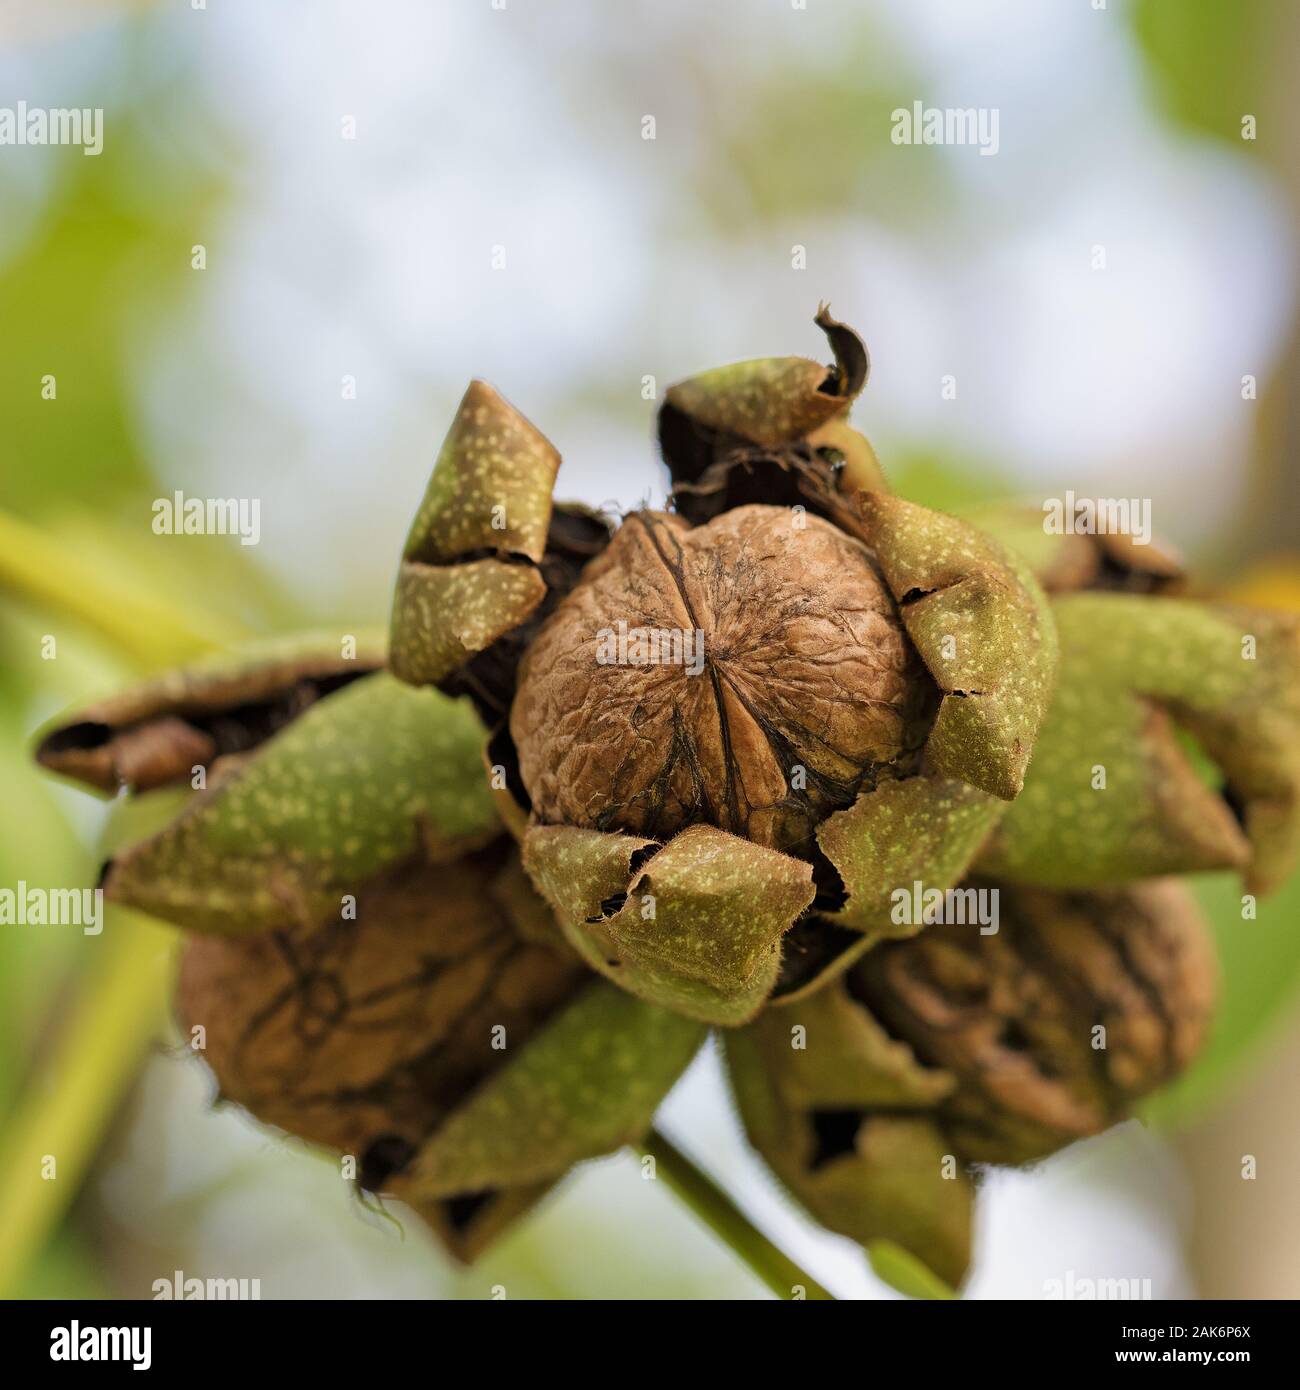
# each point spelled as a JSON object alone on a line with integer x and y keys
{"x": 838, "y": 792}
{"x": 297, "y": 990}
{"x": 657, "y": 820}
{"x": 404, "y": 1079}
{"x": 676, "y": 570}
{"x": 1114, "y": 936}
{"x": 1028, "y": 947}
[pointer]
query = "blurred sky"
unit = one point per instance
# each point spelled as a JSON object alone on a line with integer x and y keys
{"x": 521, "y": 128}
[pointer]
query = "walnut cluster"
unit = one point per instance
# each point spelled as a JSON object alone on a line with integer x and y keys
{"x": 751, "y": 673}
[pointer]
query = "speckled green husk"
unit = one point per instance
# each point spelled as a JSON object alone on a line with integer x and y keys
{"x": 1113, "y": 794}
{"x": 368, "y": 777}
{"x": 587, "y": 1084}
{"x": 468, "y": 572}
{"x": 896, "y": 1180}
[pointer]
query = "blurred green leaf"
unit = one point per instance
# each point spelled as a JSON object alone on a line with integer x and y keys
{"x": 944, "y": 483}
{"x": 94, "y": 264}
{"x": 1210, "y": 59}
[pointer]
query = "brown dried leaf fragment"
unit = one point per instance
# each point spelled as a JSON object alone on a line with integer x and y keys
{"x": 156, "y": 734}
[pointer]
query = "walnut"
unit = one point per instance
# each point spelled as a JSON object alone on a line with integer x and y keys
{"x": 363, "y": 1034}
{"x": 751, "y": 673}
{"x": 1078, "y": 1006}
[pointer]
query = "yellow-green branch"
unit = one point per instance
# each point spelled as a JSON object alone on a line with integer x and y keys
{"x": 147, "y": 630}
{"x": 50, "y": 1140}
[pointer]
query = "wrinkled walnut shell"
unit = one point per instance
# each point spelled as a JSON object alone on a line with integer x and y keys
{"x": 362, "y": 1035}
{"x": 1056, "y": 1025}
{"x": 804, "y": 687}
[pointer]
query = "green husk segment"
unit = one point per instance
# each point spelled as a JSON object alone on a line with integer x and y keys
{"x": 1256, "y": 741}
{"x": 1135, "y": 670}
{"x": 124, "y": 739}
{"x": 589, "y": 1082}
{"x": 577, "y": 870}
{"x": 223, "y": 680}
{"x": 846, "y": 1061}
{"x": 848, "y": 950}
{"x": 983, "y": 628}
{"x": 721, "y": 904}
{"x": 707, "y": 924}
{"x": 770, "y": 401}
{"x": 691, "y": 998}
{"x": 888, "y": 1186}
{"x": 443, "y": 615}
{"x": 490, "y": 491}
{"x": 1021, "y": 531}
{"x": 364, "y": 779}
{"x": 861, "y": 470}
{"x": 893, "y": 1188}
{"x": 529, "y": 913}
{"x": 922, "y": 829}
{"x": 491, "y": 458}
{"x": 466, "y": 1230}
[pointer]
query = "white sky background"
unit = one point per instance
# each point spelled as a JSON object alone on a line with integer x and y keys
{"x": 521, "y": 128}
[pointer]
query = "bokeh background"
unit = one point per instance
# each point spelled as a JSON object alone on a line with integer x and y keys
{"x": 490, "y": 130}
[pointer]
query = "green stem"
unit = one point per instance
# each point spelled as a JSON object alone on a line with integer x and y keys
{"x": 726, "y": 1220}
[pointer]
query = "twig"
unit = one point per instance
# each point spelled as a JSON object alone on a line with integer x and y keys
{"x": 726, "y": 1220}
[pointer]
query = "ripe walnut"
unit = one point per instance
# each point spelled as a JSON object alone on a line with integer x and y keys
{"x": 751, "y": 673}
{"x": 1055, "y": 1026}
{"x": 364, "y": 1034}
